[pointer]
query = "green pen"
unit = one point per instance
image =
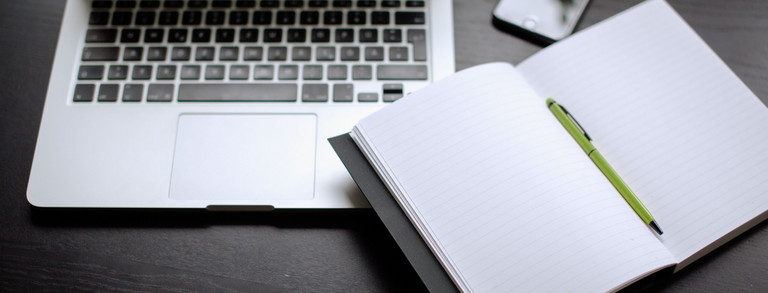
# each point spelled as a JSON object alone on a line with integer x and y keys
{"x": 582, "y": 138}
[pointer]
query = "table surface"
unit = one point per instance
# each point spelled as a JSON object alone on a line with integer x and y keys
{"x": 116, "y": 250}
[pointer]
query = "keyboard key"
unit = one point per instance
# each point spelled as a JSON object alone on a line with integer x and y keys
{"x": 337, "y": 72}
{"x": 332, "y": 17}
{"x": 130, "y": 35}
{"x": 369, "y": 35}
{"x": 149, "y": 4}
{"x": 102, "y": 4}
{"x": 356, "y": 17}
{"x": 253, "y": 53}
{"x": 214, "y": 17}
{"x": 374, "y": 53}
{"x": 294, "y": 3}
{"x": 345, "y": 35}
{"x": 367, "y": 97}
{"x": 318, "y": 4}
{"x": 263, "y": 72}
{"x": 314, "y": 93}
{"x": 393, "y": 36}
{"x": 408, "y": 17}
{"x": 380, "y": 17}
{"x": 398, "y": 53}
{"x": 418, "y": 38}
{"x": 156, "y": 53}
{"x": 177, "y": 35}
{"x": 366, "y": 3}
{"x": 122, "y": 17}
{"x": 153, "y": 35}
{"x": 221, "y": 4}
{"x": 225, "y": 35}
{"x": 159, "y": 93}
{"x": 90, "y": 72}
{"x": 321, "y": 35}
{"x": 239, "y": 72}
{"x": 197, "y": 4}
{"x": 145, "y": 18}
{"x": 342, "y": 3}
{"x": 229, "y": 53}
{"x": 270, "y": 3}
{"x": 326, "y": 53}
{"x": 190, "y": 72}
{"x": 350, "y": 53}
{"x": 390, "y": 3}
{"x": 133, "y": 92}
{"x": 133, "y": 53}
{"x": 392, "y": 92}
{"x": 343, "y": 92}
{"x": 201, "y": 35}
{"x": 312, "y": 72}
{"x": 117, "y": 72}
{"x": 245, "y": 3}
{"x": 142, "y": 72}
{"x": 214, "y": 72}
{"x": 286, "y": 17}
{"x": 181, "y": 53}
{"x": 126, "y": 4}
{"x": 173, "y": 4}
{"x": 302, "y": 53}
{"x": 100, "y": 53}
{"x": 98, "y": 18}
{"x": 108, "y": 92}
{"x": 362, "y": 72}
{"x": 401, "y": 72}
{"x": 192, "y": 17}
{"x": 204, "y": 53}
{"x": 238, "y": 17}
{"x": 288, "y": 72}
{"x": 262, "y": 17}
{"x": 168, "y": 18}
{"x": 266, "y": 92}
{"x": 309, "y": 17}
{"x": 414, "y": 3}
{"x": 249, "y": 35}
{"x": 297, "y": 35}
{"x": 277, "y": 54}
{"x": 273, "y": 35}
{"x": 84, "y": 93}
{"x": 100, "y": 35}
{"x": 166, "y": 72}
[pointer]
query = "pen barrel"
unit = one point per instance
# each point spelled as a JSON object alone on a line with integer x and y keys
{"x": 621, "y": 186}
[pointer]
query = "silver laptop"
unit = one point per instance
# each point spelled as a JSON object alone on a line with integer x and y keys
{"x": 224, "y": 104}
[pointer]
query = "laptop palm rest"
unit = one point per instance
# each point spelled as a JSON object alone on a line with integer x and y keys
{"x": 242, "y": 157}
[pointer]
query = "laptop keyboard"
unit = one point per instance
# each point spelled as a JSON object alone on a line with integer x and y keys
{"x": 267, "y": 51}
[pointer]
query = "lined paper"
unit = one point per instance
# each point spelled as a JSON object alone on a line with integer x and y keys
{"x": 501, "y": 193}
{"x": 684, "y": 132}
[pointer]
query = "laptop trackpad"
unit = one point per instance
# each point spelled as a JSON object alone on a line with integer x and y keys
{"x": 244, "y": 157}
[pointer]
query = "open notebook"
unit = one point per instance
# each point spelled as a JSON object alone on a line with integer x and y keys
{"x": 507, "y": 201}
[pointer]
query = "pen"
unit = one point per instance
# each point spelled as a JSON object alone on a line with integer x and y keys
{"x": 582, "y": 138}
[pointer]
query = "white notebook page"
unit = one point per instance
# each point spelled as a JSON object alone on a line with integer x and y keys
{"x": 503, "y": 195}
{"x": 685, "y": 133}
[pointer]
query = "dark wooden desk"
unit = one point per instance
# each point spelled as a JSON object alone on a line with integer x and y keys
{"x": 108, "y": 250}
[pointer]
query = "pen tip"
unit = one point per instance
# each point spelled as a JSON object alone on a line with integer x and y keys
{"x": 655, "y": 227}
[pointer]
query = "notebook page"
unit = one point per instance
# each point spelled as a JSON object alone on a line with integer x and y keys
{"x": 501, "y": 193}
{"x": 684, "y": 132}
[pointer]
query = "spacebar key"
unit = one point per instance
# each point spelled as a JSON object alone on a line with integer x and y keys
{"x": 401, "y": 72}
{"x": 238, "y": 92}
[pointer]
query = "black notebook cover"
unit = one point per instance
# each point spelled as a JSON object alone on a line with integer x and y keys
{"x": 415, "y": 249}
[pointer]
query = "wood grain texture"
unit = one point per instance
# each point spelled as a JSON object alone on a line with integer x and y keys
{"x": 309, "y": 251}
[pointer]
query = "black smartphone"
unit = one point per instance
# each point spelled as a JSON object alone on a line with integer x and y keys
{"x": 540, "y": 21}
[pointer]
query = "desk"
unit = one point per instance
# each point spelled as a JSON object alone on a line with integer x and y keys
{"x": 326, "y": 251}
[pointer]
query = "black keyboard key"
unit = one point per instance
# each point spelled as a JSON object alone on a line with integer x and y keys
{"x": 325, "y": 53}
{"x": 286, "y": 17}
{"x": 173, "y": 4}
{"x": 142, "y": 72}
{"x": 297, "y": 35}
{"x": 130, "y": 35}
{"x": 201, "y": 35}
{"x": 343, "y": 92}
{"x": 192, "y": 17}
{"x": 166, "y": 72}
{"x": 212, "y": 92}
{"x": 270, "y": 3}
{"x": 126, "y": 4}
{"x": 294, "y": 3}
{"x": 84, "y": 93}
{"x": 414, "y": 3}
{"x": 367, "y": 97}
{"x": 177, "y": 35}
{"x": 122, "y": 17}
{"x": 133, "y": 53}
{"x": 401, "y": 72}
{"x": 393, "y": 36}
{"x": 309, "y": 17}
{"x": 321, "y": 35}
{"x": 390, "y": 3}
{"x": 190, "y": 72}
{"x": 100, "y": 53}
{"x": 345, "y": 35}
{"x": 356, "y": 17}
{"x": 145, "y": 18}
{"x": 337, "y": 72}
{"x": 102, "y": 4}
{"x": 408, "y": 17}
{"x": 318, "y": 3}
{"x": 366, "y": 3}
{"x": 263, "y": 72}
{"x": 98, "y": 18}
{"x": 418, "y": 38}
{"x": 225, "y": 35}
{"x": 362, "y": 72}
{"x": 314, "y": 93}
{"x": 229, "y": 53}
{"x": 312, "y": 72}
{"x": 245, "y": 3}
{"x": 273, "y": 35}
{"x": 181, "y": 53}
{"x": 288, "y": 72}
{"x": 398, "y": 53}
{"x": 253, "y": 53}
{"x": 133, "y": 92}
{"x": 221, "y": 4}
{"x": 108, "y": 92}
{"x": 301, "y": 54}
{"x": 168, "y": 18}
{"x": 214, "y": 17}
{"x": 369, "y": 35}
{"x": 342, "y": 3}
{"x": 100, "y": 35}
{"x": 239, "y": 72}
{"x": 214, "y": 72}
{"x": 238, "y": 17}
{"x": 262, "y": 17}
{"x": 350, "y": 53}
{"x": 160, "y": 93}
{"x": 90, "y": 72}
{"x": 117, "y": 72}
{"x": 156, "y": 53}
{"x": 204, "y": 53}
{"x": 197, "y": 4}
{"x": 277, "y": 54}
{"x": 374, "y": 53}
{"x": 153, "y": 35}
{"x": 380, "y": 17}
{"x": 149, "y": 4}
{"x": 249, "y": 35}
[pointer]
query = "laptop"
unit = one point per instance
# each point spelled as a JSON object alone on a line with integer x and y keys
{"x": 224, "y": 105}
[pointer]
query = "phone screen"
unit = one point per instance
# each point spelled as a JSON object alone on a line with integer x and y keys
{"x": 554, "y": 19}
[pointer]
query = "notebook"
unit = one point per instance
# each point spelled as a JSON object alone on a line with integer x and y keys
{"x": 224, "y": 104}
{"x": 506, "y": 200}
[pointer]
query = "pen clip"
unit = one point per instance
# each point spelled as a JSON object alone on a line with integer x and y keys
{"x": 576, "y": 122}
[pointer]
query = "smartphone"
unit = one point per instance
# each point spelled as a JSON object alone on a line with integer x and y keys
{"x": 539, "y": 21}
